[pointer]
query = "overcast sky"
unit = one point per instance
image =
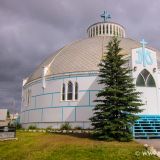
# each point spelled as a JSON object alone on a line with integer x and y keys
{"x": 31, "y": 30}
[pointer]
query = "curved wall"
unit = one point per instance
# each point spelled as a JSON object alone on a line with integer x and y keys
{"x": 47, "y": 108}
{"x": 106, "y": 29}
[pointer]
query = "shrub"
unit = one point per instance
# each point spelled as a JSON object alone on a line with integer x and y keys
{"x": 18, "y": 126}
{"x": 49, "y": 128}
{"x": 65, "y": 126}
{"x": 32, "y": 127}
{"x": 78, "y": 128}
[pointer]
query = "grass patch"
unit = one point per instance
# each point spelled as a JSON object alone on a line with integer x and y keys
{"x": 46, "y": 146}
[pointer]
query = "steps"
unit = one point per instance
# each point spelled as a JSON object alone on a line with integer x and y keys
{"x": 147, "y": 127}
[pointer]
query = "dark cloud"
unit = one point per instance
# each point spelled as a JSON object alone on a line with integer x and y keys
{"x": 30, "y": 30}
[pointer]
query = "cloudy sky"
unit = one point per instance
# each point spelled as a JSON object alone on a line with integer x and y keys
{"x": 30, "y": 30}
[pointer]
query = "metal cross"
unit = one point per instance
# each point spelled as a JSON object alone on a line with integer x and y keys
{"x": 144, "y": 56}
{"x": 105, "y": 16}
{"x": 143, "y": 42}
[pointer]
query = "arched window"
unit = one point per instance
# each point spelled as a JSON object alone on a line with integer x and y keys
{"x": 145, "y": 79}
{"x": 70, "y": 91}
{"x": 76, "y": 90}
{"x": 140, "y": 81}
{"x": 63, "y": 92}
{"x": 150, "y": 81}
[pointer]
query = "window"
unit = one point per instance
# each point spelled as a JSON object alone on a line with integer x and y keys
{"x": 99, "y": 29}
{"x": 28, "y": 96}
{"x": 140, "y": 81}
{"x": 114, "y": 31}
{"x": 70, "y": 91}
{"x": 76, "y": 90}
{"x": 63, "y": 92}
{"x": 96, "y": 30}
{"x": 117, "y": 30}
{"x": 110, "y": 29}
{"x": 150, "y": 81}
{"x": 145, "y": 79}
{"x": 107, "y": 28}
{"x": 103, "y": 29}
{"x": 91, "y": 32}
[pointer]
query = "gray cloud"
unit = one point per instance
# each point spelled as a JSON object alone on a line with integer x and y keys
{"x": 31, "y": 30}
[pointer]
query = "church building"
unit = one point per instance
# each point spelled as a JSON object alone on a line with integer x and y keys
{"x": 64, "y": 86}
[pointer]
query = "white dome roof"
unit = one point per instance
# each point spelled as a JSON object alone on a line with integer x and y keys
{"x": 81, "y": 56}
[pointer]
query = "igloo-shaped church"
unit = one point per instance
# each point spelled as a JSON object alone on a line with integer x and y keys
{"x": 63, "y": 87}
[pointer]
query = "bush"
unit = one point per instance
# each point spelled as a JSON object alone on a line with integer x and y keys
{"x": 32, "y": 127}
{"x": 18, "y": 126}
{"x": 65, "y": 126}
{"x": 49, "y": 128}
{"x": 78, "y": 128}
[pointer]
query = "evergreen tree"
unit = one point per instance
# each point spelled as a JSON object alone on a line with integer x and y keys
{"x": 118, "y": 102}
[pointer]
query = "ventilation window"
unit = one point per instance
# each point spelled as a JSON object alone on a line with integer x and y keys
{"x": 91, "y": 32}
{"x": 114, "y": 31}
{"x": 96, "y": 30}
{"x": 107, "y": 28}
{"x": 100, "y": 29}
{"x": 117, "y": 31}
{"x": 145, "y": 79}
{"x": 110, "y": 29}
{"x": 103, "y": 29}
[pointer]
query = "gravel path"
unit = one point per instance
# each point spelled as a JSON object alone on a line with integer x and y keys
{"x": 152, "y": 142}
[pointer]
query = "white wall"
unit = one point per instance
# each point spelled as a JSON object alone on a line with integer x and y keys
{"x": 47, "y": 106}
{"x": 150, "y": 95}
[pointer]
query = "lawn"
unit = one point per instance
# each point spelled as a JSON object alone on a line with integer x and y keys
{"x": 47, "y": 146}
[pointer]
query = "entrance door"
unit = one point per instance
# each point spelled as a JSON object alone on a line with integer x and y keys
{"x": 146, "y": 85}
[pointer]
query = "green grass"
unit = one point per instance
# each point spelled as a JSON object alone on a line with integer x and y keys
{"x": 45, "y": 146}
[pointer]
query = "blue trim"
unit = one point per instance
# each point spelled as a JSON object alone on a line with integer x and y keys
{"x": 35, "y": 102}
{"x": 59, "y": 107}
{"x": 49, "y": 93}
{"x": 89, "y": 90}
{"x": 64, "y": 77}
{"x": 149, "y": 115}
{"x": 44, "y": 94}
{"x": 75, "y": 114}
{"x": 52, "y": 100}
{"x": 89, "y": 97}
{"x": 148, "y": 126}
{"x": 28, "y": 116}
{"x": 42, "y": 115}
{"x": 62, "y": 114}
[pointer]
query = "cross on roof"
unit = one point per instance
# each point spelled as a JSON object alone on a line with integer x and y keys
{"x": 143, "y": 42}
{"x": 105, "y": 16}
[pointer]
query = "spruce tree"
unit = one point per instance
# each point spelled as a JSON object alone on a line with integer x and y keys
{"x": 118, "y": 102}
